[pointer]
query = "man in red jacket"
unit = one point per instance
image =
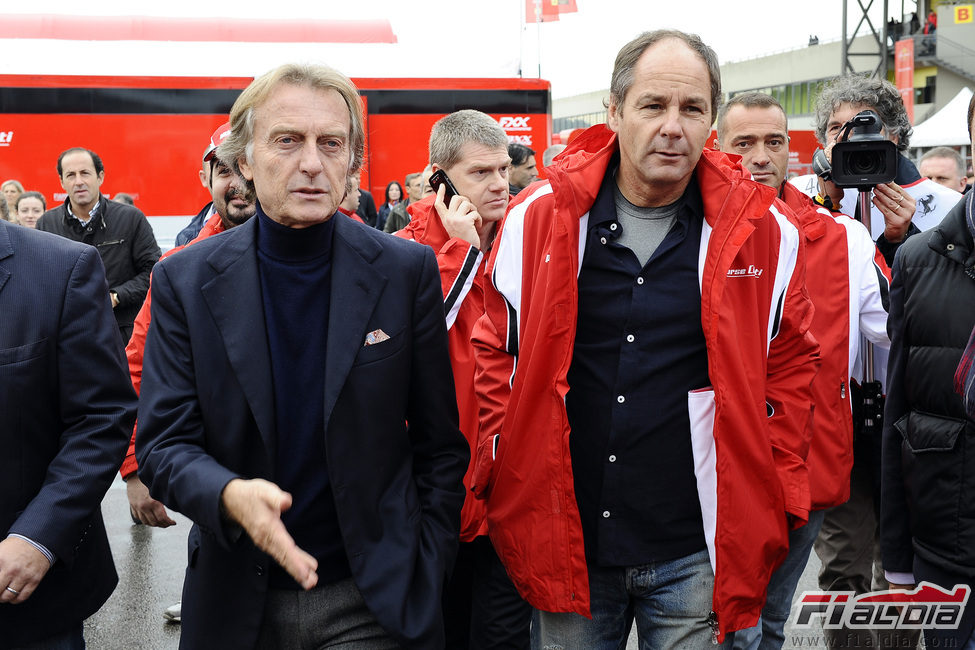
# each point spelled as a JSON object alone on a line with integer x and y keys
{"x": 848, "y": 282}
{"x": 482, "y": 607}
{"x": 644, "y": 372}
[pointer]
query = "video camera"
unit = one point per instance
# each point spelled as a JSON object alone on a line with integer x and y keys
{"x": 862, "y": 157}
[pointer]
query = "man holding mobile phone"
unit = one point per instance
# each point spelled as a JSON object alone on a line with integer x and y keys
{"x": 469, "y": 156}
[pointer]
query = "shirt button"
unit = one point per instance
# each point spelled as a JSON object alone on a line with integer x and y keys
{"x": 639, "y": 280}
{"x": 612, "y": 458}
{"x": 602, "y": 240}
{"x": 612, "y": 226}
{"x": 630, "y": 338}
{"x": 620, "y": 399}
{"x": 605, "y": 514}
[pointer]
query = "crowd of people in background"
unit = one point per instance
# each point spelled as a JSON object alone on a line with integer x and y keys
{"x": 631, "y": 387}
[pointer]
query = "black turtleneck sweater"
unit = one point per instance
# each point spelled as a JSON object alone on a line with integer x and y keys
{"x": 295, "y": 267}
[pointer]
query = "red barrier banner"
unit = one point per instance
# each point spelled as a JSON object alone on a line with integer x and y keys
{"x": 904, "y": 73}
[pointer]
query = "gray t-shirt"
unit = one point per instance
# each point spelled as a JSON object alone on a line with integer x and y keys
{"x": 643, "y": 228}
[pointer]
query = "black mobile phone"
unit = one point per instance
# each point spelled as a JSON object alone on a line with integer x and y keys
{"x": 439, "y": 178}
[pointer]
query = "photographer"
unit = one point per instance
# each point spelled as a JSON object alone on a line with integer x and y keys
{"x": 910, "y": 203}
{"x": 847, "y": 543}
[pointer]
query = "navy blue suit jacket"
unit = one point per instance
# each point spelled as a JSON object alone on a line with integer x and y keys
{"x": 206, "y": 416}
{"x": 66, "y": 409}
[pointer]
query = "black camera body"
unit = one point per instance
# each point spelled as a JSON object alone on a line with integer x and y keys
{"x": 862, "y": 157}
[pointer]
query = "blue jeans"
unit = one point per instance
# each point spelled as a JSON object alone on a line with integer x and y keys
{"x": 73, "y": 639}
{"x": 769, "y": 632}
{"x": 671, "y": 602}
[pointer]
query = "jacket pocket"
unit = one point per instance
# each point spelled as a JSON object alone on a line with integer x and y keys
{"x": 193, "y": 547}
{"x": 484, "y": 459}
{"x": 700, "y": 408}
{"x": 927, "y": 433}
{"x": 23, "y": 352}
{"x": 379, "y": 351}
{"x": 937, "y": 477}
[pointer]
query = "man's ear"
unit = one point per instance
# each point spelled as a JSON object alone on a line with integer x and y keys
{"x": 613, "y": 114}
{"x": 245, "y": 169}
{"x": 203, "y": 179}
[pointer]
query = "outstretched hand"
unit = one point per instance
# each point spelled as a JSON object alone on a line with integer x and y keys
{"x": 257, "y": 505}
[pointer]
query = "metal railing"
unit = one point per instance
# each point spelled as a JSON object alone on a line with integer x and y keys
{"x": 948, "y": 51}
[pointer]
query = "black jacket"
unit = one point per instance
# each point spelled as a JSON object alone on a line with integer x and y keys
{"x": 367, "y": 208}
{"x": 396, "y": 470}
{"x": 927, "y": 504}
{"x": 193, "y": 228}
{"x": 128, "y": 248}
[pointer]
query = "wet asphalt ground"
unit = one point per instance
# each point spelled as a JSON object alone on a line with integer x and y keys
{"x": 150, "y": 564}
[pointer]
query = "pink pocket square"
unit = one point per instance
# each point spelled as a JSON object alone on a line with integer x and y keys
{"x": 375, "y": 336}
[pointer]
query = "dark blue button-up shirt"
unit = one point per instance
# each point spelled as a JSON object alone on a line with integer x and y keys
{"x": 639, "y": 349}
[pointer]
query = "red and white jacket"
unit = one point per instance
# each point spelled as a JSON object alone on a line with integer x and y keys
{"x": 849, "y": 284}
{"x": 750, "y": 430}
{"x": 462, "y": 279}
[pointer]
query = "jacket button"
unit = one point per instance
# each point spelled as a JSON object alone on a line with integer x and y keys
{"x": 639, "y": 280}
{"x": 605, "y": 514}
{"x": 620, "y": 399}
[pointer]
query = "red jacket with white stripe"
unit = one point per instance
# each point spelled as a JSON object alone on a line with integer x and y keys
{"x": 750, "y": 433}
{"x": 462, "y": 279}
{"x": 849, "y": 284}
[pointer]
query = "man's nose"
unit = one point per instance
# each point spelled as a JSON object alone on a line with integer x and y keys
{"x": 671, "y": 127}
{"x": 311, "y": 162}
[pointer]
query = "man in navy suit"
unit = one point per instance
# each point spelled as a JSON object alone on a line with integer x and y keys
{"x": 66, "y": 406}
{"x": 297, "y": 400}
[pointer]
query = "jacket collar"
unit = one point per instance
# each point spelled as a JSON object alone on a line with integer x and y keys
{"x": 811, "y": 220}
{"x": 589, "y": 157}
{"x": 425, "y": 224}
{"x": 357, "y": 283}
{"x": 719, "y": 176}
{"x": 97, "y": 221}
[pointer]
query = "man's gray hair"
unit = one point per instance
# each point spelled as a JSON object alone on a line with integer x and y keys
{"x": 750, "y": 99}
{"x": 551, "y": 153}
{"x": 951, "y": 154}
{"x": 451, "y": 132}
{"x": 240, "y": 143}
{"x": 877, "y": 94}
{"x": 627, "y": 59}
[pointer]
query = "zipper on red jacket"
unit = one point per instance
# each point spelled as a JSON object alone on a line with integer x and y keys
{"x": 713, "y": 623}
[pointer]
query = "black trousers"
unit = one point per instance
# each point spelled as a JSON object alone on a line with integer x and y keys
{"x": 482, "y": 608}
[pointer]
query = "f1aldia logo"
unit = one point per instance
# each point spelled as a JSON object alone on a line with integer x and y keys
{"x": 6, "y": 137}
{"x": 927, "y": 606}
